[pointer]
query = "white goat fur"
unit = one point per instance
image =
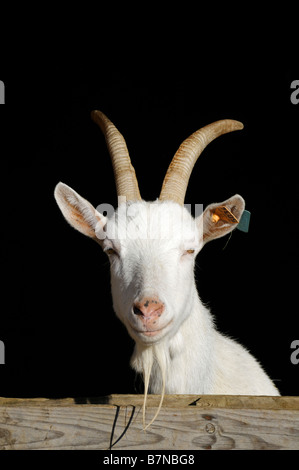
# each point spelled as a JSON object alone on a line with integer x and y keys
{"x": 188, "y": 355}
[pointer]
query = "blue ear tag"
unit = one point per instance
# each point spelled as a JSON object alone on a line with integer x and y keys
{"x": 243, "y": 225}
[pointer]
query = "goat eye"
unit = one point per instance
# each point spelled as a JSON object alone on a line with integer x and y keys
{"x": 188, "y": 252}
{"x": 110, "y": 251}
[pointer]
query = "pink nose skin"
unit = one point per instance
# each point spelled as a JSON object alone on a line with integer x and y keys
{"x": 149, "y": 309}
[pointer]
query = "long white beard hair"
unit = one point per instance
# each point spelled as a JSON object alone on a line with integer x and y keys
{"x": 150, "y": 357}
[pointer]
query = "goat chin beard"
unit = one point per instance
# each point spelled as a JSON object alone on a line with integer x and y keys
{"x": 143, "y": 362}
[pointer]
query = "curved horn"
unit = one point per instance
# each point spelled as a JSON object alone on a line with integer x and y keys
{"x": 124, "y": 173}
{"x": 177, "y": 177}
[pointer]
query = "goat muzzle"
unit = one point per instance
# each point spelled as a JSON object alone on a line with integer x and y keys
{"x": 149, "y": 309}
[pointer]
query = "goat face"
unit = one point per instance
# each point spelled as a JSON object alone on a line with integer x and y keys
{"x": 152, "y": 248}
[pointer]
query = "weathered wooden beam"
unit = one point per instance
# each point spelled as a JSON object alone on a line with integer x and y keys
{"x": 184, "y": 422}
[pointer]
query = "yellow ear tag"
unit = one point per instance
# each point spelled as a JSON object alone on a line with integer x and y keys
{"x": 223, "y": 213}
{"x": 215, "y": 218}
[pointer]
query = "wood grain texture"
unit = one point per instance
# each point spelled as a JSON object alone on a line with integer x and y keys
{"x": 185, "y": 422}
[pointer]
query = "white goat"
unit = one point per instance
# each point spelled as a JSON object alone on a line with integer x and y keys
{"x": 152, "y": 248}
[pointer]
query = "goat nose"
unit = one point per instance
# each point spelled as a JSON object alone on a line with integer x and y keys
{"x": 148, "y": 307}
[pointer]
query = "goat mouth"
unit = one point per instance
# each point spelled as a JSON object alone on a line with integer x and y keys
{"x": 151, "y": 333}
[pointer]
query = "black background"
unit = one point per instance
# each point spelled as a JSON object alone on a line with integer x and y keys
{"x": 60, "y": 332}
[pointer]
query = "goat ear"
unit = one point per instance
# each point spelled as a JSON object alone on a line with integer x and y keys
{"x": 219, "y": 219}
{"x": 79, "y": 212}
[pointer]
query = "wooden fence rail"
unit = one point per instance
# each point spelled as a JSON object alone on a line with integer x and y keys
{"x": 184, "y": 422}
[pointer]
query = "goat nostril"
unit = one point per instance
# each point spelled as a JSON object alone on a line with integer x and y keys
{"x": 137, "y": 311}
{"x": 148, "y": 308}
